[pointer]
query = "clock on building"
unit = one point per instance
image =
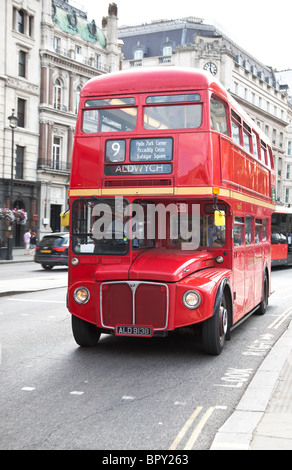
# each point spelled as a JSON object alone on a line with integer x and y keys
{"x": 211, "y": 67}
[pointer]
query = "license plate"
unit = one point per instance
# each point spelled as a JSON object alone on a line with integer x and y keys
{"x": 46, "y": 251}
{"x": 125, "y": 330}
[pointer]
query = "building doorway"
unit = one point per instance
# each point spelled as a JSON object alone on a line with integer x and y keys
{"x": 55, "y": 217}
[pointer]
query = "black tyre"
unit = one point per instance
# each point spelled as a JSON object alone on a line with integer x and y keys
{"x": 47, "y": 267}
{"x": 85, "y": 334}
{"x": 215, "y": 329}
{"x": 265, "y": 299}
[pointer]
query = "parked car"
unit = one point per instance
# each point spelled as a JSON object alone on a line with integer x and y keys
{"x": 52, "y": 250}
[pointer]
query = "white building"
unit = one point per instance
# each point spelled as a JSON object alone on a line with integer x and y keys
{"x": 48, "y": 51}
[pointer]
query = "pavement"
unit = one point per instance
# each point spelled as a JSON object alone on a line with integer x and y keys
{"x": 263, "y": 418}
{"x": 52, "y": 280}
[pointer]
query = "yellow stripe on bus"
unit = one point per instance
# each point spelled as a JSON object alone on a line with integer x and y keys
{"x": 182, "y": 191}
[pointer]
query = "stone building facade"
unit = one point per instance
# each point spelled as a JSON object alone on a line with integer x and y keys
{"x": 49, "y": 50}
{"x": 189, "y": 42}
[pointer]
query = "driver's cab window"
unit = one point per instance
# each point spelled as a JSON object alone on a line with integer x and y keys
{"x": 211, "y": 234}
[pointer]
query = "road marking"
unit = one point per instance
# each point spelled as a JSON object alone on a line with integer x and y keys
{"x": 198, "y": 429}
{"x": 185, "y": 428}
{"x": 28, "y": 389}
{"x": 280, "y": 319}
{"x": 76, "y": 392}
{"x": 235, "y": 378}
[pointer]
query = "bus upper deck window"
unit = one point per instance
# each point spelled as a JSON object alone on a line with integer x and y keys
{"x": 179, "y": 112}
{"x": 236, "y": 127}
{"x": 110, "y": 115}
{"x": 255, "y": 145}
{"x": 218, "y": 116}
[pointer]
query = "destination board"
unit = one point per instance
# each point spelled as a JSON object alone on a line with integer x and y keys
{"x": 145, "y": 169}
{"x": 151, "y": 150}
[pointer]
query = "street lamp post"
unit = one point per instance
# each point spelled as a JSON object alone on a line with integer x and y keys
{"x": 13, "y": 120}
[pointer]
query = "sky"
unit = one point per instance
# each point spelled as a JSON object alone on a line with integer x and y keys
{"x": 260, "y": 27}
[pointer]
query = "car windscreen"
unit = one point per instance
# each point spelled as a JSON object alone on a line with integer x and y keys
{"x": 53, "y": 241}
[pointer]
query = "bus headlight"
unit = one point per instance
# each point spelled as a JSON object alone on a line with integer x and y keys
{"x": 191, "y": 299}
{"x": 81, "y": 295}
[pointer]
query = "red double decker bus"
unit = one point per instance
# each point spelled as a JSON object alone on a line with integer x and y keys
{"x": 281, "y": 237}
{"x": 171, "y": 195}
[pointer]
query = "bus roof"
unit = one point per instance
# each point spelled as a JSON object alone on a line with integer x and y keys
{"x": 152, "y": 79}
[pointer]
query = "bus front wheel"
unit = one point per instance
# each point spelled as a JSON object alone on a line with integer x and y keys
{"x": 215, "y": 329}
{"x": 85, "y": 334}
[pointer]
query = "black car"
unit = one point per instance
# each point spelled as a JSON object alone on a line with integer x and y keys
{"x": 52, "y": 250}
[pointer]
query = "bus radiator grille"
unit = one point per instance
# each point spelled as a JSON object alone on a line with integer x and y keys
{"x": 134, "y": 303}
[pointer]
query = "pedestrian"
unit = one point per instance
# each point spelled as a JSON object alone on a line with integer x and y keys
{"x": 33, "y": 243}
{"x": 26, "y": 239}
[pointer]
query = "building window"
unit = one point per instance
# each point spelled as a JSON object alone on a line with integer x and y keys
{"x": 138, "y": 55}
{"x": 287, "y": 196}
{"x": 279, "y": 167}
{"x": 167, "y": 51}
{"x": 20, "y": 21}
{"x": 57, "y": 44}
{"x": 289, "y": 148}
{"x": 58, "y": 94}
{"x": 30, "y": 26}
{"x": 288, "y": 173}
{"x": 97, "y": 61}
{"x": 22, "y": 64}
{"x": 19, "y": 162}
{"x": 78, "y": 53}
{"x": 78, "y": 91}
{"x": 57, "y": 153}
{"x": 21, "y": 112}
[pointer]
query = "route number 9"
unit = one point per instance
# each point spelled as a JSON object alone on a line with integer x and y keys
{"x": 115, "y": 151}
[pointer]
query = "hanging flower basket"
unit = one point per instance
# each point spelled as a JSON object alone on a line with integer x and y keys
{"x": 6, "y": 214}
{"x": 20, "y": 216}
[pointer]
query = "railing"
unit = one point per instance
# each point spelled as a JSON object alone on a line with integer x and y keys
{"x": 91, "y": 62}
{"x": 54, "y": 166}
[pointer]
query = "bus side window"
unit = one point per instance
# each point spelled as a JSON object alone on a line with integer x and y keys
{"x": 271, "y": 158}
{"x": 265, "y": 227}
{"x": 238, "y": 231}
{"x": 258, "y": 231}
{"x": 255, "y": 145}
{"x": 218, "y": 116}
{"x": 236, "y": 127}
{"x": 264, "y": 152}
{"x": 248, "y": 230}
{"x": 247, "y": 137}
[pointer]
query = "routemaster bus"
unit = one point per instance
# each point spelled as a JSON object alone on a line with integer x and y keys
{"x": 281, "y": 237}
{"x": 171, "y": 194}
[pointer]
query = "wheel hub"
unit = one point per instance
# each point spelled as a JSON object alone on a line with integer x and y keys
{"x": 223, "y": 321}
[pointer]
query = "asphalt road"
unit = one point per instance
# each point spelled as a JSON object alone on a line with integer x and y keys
{"x": 125, "y": 393}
